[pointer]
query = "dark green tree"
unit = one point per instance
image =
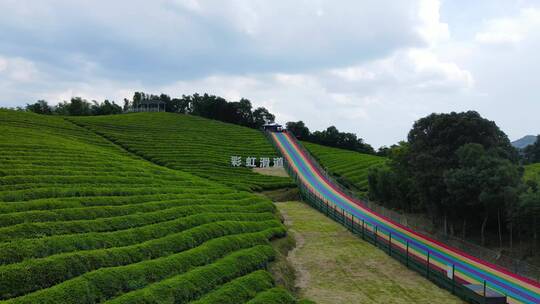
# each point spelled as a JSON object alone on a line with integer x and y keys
{"x": 167, "y": 102}
{"x": 137, "y": 99}
{"x": 127, "y": 105}
{"x": 105, "y": 108}
{"x": 482, "y": 186}
{"x": 391, "y": 184}
{"x": 526, "y": 215}
{"x": 40, "y": 107}
{"x": 531, "y": 153}
{"x": 434, "y": 141}
{"x": 76, "y": 107}
{"x": 261, "y": 116}
{"x": 299, "y": 129}
{"x": 332, "y": 137}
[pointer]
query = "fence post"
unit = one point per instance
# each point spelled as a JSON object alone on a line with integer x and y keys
{"x": 327, "y": 212}
{"x": 427, "y": 275}
{"x": 363, "y": 224}
{"x": 390, "y": 244}
{"x": 376, "y": 238}
{"x": 453, "y": 279}
{"x": 407, "y": 254}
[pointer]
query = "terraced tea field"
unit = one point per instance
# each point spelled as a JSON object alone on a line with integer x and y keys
{"x": 350, "y": 168}
{"x": 192, "y": 144}
{"x": 83, "y": 221}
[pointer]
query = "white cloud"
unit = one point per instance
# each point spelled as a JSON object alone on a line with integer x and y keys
{"x": 370, "y": 67}
{"x": 432, "y": 73}
{"x": 431, "y": 28}
{"x": 510, "y": 30}
{"x": 15, "y": 69}
{"x": 418, "y": 69}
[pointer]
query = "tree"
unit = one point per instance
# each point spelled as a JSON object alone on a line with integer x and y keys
{"x": 40, "y": 107}
{"x": 458, "y": 167}
{"x": 482, "y": 184}
{"x": 531, "y": 153}
{"x": 332, "y": 137}
{"x": 209, "y": 106}
{"x": 137, "y": 99}
{"x": 168, "y": 103}
{"x": 527, "y": 212}
{"x": 391, "y": 184}
{"x": 261, "y": 116}
{"x": 434, "y": 141}
{"x": 242, "y": 112}
{"x": 299, "y": 129}
{"x": 127, "y": 104}
{"x": 105, "y": 108}
{"x": 79, "y": 107}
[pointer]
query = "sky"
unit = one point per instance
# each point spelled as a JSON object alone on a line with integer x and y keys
{"x": 371, "y": 67}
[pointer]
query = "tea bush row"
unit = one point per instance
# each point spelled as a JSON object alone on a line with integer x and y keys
{"x": 106, "y": 283}
{"x": 240, "y": 289}
{"x": 193, "y": 284}
{"x": 15, "y": 252}
{"x": 34, "y": 230}
{"x": 192, "y": 144}
{"x": 21, "y": 278}
{"x": 349, "y": 167}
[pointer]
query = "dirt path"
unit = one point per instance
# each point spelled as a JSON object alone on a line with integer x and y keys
{"x": 334, "y": 266}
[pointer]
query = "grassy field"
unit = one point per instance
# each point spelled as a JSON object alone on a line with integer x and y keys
{"x": 350, "y": 168}
{"x": 84, "y": 221}
{"x": 532, "y": 172}
{"x": 192, "y": 144}
{"x": 335, "y": 266}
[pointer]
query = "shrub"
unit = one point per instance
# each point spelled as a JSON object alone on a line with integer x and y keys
{"x": 239, "y": 290}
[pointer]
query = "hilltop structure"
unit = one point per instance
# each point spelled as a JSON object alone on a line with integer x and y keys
{"x": 148, "y": 106}
{"x": 273, "y": 127}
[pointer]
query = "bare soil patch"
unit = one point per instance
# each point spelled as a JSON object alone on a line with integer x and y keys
{"x": 271, "y": 171}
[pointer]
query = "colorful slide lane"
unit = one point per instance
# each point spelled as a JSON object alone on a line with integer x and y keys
{"x": 467, "y": 269}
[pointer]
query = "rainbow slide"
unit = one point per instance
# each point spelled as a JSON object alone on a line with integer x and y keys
{"x": 466, "y": 269}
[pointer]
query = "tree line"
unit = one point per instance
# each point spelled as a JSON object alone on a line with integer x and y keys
{"x": 463, "y": 172}
{"x": 77, "y": 106}
{"x": 209, "y": 106}
{"x": 331, "y": 137}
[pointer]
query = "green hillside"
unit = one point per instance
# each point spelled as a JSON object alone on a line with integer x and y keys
{"x": 192, "y": 144}
{"x": 83, "y": 221}
{"x": 532, "y": 172}
{"x": 350, "y": 168}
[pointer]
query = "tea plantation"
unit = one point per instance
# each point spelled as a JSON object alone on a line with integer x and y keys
{"x": 84, "y": 221}
{"x": 192, "y": 144}
{"x": 350, "y": 168}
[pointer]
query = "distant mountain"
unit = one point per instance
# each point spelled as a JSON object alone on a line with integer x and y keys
{"x": 524, "y": 141}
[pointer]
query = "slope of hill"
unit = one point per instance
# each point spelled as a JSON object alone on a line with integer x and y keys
{"x": 350, "y": 168}
{"x": 335, "y": 266}
{"x": 524, "y": 141}
{"x": 192, "y": 144}
{"x": 532, "y": 172}
{"x": 83, "y": 221}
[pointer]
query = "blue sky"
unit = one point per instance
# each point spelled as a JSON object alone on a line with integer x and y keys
{"x": 369, "y": 67}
